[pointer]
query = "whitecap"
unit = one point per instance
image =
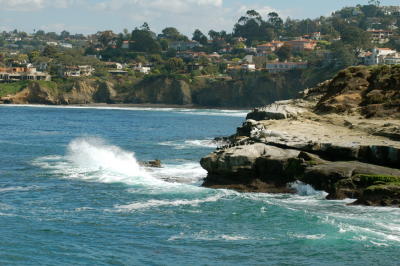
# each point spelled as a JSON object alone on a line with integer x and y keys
{"x": 189, "y": 144}
{"x": 10, "y": 189}
{"x": 310, "y": 237}
{"x": 162, "y": 203}
{"x": 187, "y": 173}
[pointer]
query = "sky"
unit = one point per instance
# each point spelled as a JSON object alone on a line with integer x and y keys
{"x": 90, "y": 16}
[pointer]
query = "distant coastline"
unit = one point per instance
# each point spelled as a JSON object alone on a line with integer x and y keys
{"x": 133, "y": 106}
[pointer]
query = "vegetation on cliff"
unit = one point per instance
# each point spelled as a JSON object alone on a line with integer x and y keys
{"x": 374, "y": 90}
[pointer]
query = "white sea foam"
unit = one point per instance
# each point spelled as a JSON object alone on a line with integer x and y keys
{"x": 188, "y": 144}
{"x": 310, "y": 237}
{"x": 186, "y": 173}
{"x": 92, "y": 159}
{"x": 305, "y": 189}
{"x": 161, "y": 203}
{"x": 209, "y": 112}
{"x": 10, "y": 189}
{"x": 208, "y": 236}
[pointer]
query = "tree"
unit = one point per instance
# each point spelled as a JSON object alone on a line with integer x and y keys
{"x": 164, "y": 44}
{"x": 200, "y": 37}
{"x": 145, "y": 27}
{"x": 106, "y": 37}
{"x": 343, "y": 55}
{"x": 356, "y": 38}
{"x": 284, "y": 53}
{"x": 32, "y": 55}
{"x": 174, "y": 65}
{"x": 64, "y": 34}
{"x": 50, "y": 51}
{"x": 374, "y": 2}
{"x": 214, "y": 35}
{"x": 275, "y": 21}
{"x": 142, "y": 41}
{"x": 173, "y": 34}
{"x": 370, "y": 10}
{"x": 171, "y": 53}
{"x": 40, "y": 33}
{"x": 252, "y": 27}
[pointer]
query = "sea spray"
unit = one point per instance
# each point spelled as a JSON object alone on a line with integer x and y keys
{"x": 93, "y": 159}
{"x": 112, "y": 163}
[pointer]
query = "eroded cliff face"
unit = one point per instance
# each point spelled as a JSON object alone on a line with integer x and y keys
{"x": 160, "y": 90}
{"x": 79, "y": 92}
{"x": 249, "y": 91}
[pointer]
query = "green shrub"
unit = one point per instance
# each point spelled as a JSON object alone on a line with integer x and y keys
{"x": 12, "y": 88}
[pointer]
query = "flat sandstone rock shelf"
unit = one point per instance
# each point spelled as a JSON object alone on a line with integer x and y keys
{"x": 345, "y": 152}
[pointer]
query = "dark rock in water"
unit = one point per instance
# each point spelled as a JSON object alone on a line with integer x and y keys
{"x": 245, "y": 185}
{"x": 339, "y": 179}
{"x": 381, "y": 195}
{"x": 153, "y": 164}
{"x": 373, "y": 190}
{"x": 255, "y": 167}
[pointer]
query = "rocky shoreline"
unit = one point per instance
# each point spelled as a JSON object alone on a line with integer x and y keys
{"x": 325, "y": 139}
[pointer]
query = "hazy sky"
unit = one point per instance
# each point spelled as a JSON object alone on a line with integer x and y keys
{"x": 90, "y": 16}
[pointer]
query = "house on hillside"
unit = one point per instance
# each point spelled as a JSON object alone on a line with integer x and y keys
{"x": 66, "y": 45}
{"x": 248, "y": 67}
{"x": 265, "y": 48}
{"x": 139, "y": 67}
{"x": 316, "y": 36}
{"x": 380, "y": 36}
{"x": 277, "y": 67}
{"x": 269, "y": 47}
{"x": 13, "y": 74}
{"x": 126, "y": 44}
{"x": 301, "y": 44}
{"x": 78, "y": 71}
{"x": 184, "y": 45}
{"x": 377, "y": 56}
{"x": 114, "y": 65}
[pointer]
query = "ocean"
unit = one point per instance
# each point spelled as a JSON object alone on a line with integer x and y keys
{"x": 72, "y": 192}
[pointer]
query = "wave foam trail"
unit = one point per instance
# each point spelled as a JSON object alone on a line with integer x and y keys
{"x": 161, "y": 203}
{"x": 113, "y": 163}
{"x": 92, "y": 159}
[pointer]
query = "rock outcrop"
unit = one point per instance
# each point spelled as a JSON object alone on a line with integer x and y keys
{"x": 76, "y": 92}
{"x": 325, "y": 139}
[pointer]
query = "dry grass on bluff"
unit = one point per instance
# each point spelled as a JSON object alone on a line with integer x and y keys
{"x": 370, "y": 91}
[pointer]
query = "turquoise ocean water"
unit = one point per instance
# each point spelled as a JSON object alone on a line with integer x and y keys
{"x": 72, "y": 193}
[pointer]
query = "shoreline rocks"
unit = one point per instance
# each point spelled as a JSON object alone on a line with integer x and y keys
{"x": 345, "y": 154}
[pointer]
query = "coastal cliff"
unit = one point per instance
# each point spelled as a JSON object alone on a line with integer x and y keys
{"x": 252, "y": 89}
{"x": 343, "y": 137}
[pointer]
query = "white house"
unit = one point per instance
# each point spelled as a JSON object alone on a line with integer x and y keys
{"x": 248, "y": 67}
{"x": 79, "y": 71}
{"x": 142, "y": 69}
{"x": 66, "y": 45}
{"x": 377, "y": 56}
{"x": 276, "y": 67}
{"x": 392, "y": 59}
